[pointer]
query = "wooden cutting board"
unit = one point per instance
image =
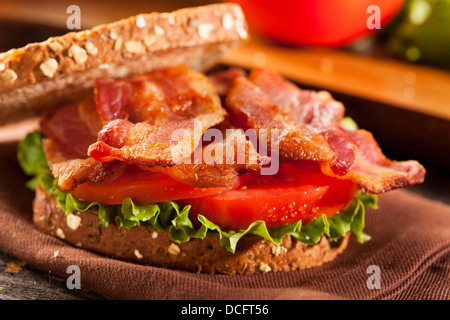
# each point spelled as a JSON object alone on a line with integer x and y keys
{"x": 400, "y": 84}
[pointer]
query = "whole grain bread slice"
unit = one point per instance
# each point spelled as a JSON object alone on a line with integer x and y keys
{"x": 146, "y": 245}
{"x": 63, "y": 68}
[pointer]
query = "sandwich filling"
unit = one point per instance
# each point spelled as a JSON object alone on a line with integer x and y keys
{"x": 230, "y": 153}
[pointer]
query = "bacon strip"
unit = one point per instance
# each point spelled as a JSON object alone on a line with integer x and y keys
{"x": 73, "y": 172}
{"x": 155, "y": 119}
{"x": 223, "y": 80}
{"x": 315, "y": 110}
{"x": 220, "y": 162}
{"x": 72, "y": 128}
{"x": 68, "y": 133}
{"x": 250, "y": 107}
{"x": 375, "y": 173}
{"x": 318, "y": 112}
{"x": 311, "y": 131}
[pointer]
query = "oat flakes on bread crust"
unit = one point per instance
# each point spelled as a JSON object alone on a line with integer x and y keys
{"x": 47, "y": 73}
{"x": 145, "y": 245}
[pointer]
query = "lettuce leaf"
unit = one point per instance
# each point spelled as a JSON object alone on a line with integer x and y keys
{"x": 31, "y": 157}
{"x": 349, "y": 124}
{"x": 168, "y": 216}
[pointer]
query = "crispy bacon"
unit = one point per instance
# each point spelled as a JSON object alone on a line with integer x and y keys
{"x": 310, "y": 128}
{"x": 223, "y": 80}
{"x": 375, "y": 173}
{"x": 72, "y": 128}
{"x": 250, "y": 107}
{"x": 159, "y": 97}
{"x": 220, "y": 162}
{"x": 68, "y": 133}
{"x": 73, "y": 172}
{"x": 318, "y": 112}
{"x": 308, "y": 108}
{"x": 155, "y": 119}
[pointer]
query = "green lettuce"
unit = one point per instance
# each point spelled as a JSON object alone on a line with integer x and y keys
{"x": 349, "y": 124}
{"x": 168, "y": 216}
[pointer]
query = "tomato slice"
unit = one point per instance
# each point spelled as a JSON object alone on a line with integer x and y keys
{"x": 299, "y": 191}
{"x": 142, "y": 187}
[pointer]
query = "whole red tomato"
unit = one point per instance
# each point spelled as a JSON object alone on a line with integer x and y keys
{"x": 315, "y": 22}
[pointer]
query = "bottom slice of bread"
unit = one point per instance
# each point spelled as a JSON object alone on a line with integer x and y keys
{"x": 145, "y": 245}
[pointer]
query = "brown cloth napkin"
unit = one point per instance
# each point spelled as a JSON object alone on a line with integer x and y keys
{"x": 410, "y": 245}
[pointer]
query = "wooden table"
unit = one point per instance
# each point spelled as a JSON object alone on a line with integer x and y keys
{"x": 406, "y": 106}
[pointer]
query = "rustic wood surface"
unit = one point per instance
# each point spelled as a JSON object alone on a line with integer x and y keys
{"x": 20, "y": 281}
{"x": 404, "y": 105}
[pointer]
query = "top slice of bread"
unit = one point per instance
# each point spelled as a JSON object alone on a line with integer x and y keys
{"x": 64, "y": 68}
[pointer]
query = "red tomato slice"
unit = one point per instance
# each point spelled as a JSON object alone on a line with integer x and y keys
{"x": 299, "y": 191}
{"x": 142, "y": 187}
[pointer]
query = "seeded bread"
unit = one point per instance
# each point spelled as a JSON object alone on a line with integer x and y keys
{"x": 146, "y": 245}
{"x": 64, "y": 68}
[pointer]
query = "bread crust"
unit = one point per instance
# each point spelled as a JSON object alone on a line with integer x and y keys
{"x": 63, "y": 68}
{"x": 146, "y": 245}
